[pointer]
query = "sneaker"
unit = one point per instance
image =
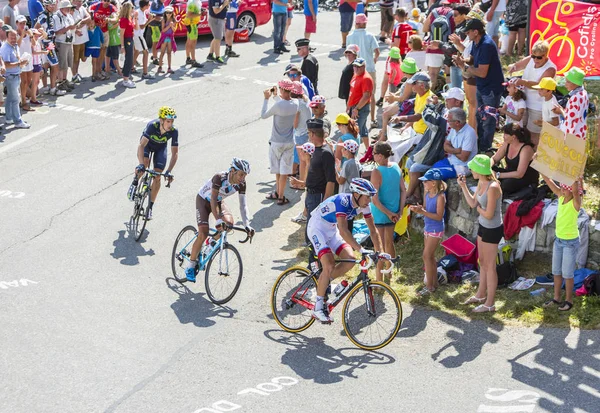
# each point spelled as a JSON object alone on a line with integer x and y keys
{"x": 547, "y": 279}
{"x": 70, "y": 85}
{"x": 154, "y": 60}
{"x": 322, "y": 317}
{"x": 77, "y": 78}
{"x": 368, "y": 157}
{"x": 286, "y": 43}
{"x": 278, "y": 51}
{"x": 379, "y": 103}
{"x": 188, "y": 60}
{"x": 197, "y": 65}
{"x": 284, "y": 49}
{"x": 22, "y": 125}
{"x": 45, "y": 90}
{"x": 134, "y": 71}
{"x": 210, "y": 57}
{"x": 57, "y": 92}
{"x": 149, "y": 218}
{"x": 131, "y": 191}
{"x": 219, "y": 60}
{"x": 190, "y": 274}
{"x": 170, "y": 71}
{"x": 62, "y": 86}
{"x": 147, "y": 76}
{"x": 9, "y": 122}
{"x": 231, "y": 53}
{"x": 129, "y": 84}
{"x": 300, "y": 218}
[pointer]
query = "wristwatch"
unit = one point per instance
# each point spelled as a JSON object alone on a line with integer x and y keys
{"x": 497, "y": 175}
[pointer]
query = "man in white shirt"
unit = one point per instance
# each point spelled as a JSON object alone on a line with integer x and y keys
{"x": 10, "y": 13}
{"x": 65, "y": 27}
{"x": 461, "y": 143}
{"x": 82, "y": 17}
{"x": 493, "y": 16}
{"x": 139, "y": 41}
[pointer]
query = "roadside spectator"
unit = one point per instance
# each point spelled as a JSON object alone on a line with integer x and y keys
{"x": 361, "y": 93}
{"x": 515, "y": 106}
{"x": 344, "y": 90}
{"x": 10, "y": 13}
{"x": 546, "y": 89}
{"x": 92, "y": 49}
{"x": 64, "y": 27}
{"x": 281, "y": 143}
{"x": 369, "y": 51}
{"x": 440, "y": 24}
{"x": 46, "y": 22}
{"x": 493, "y": 16}
{"x": 349, "y": 132}
{"x": 460, "y": 21}
{"x": 311, "y": 9}
{"x": 157, "y": 9}
{"x": 301, "y": 160}
{"x": 517, "y": 153}
{"x": 35, "y": 8}
{"x": 460, "y": 146}
{"x": 36, "y": 59}
{"x": 386, "y": 8}
{"x": 535, "y": 67}
{"x": 279, "y": 9}
{"x": 392, "y": 75}
{"x": 101, "y": 12}
{"x": 415, "y": 44}
{"x": 114, "y": 47}
{"x": 348, "y": 169}
{"x": 141, "y": 47}
{"x": 516, "y": 20}
{"x": 81, "y": 15}
{"x": 127, "y": 25}
{"x": 230, "y": 26}
{"x": 167, "y": 43}
{"x": 217, "y": 11}
{"x": 24, "y": 37}
{"x": 9, "y": 52}
{"x": 416, "y": 21}
{"x": 288, "y": 23}
{"x": 575, "y": 113}
{"x": 405, "y": 92}
{"x": 432, "y": 209}
{"x": 487, "y": 69}
{"x": 487, "y": 200}
{"x": 317, "y": 107}
{"x": 310, "y": 64}
{"x": 294, "y": 73}
{"x": 401, "y": 33}
{"x": 347, "y": 9}
{"x": 421, "y": 85}
{"x": 387, "y": 205}
{"x": 191, "y": 20}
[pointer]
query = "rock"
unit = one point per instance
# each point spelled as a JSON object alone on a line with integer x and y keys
{"x": 461, "y": 224}
{"x": 453, "y": 197}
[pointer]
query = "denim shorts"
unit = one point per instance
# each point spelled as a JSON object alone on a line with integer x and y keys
{"x": 414, "y": 167}
{"x": 299, "y": 140}
{"x": 493, "y": 26}
{"x": 346, "y": 21}
{"x": 564, "y": 254}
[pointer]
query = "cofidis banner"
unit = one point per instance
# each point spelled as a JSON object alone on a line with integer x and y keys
{"x": 572, "y": 28}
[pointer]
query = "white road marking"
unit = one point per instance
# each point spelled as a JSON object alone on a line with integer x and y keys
{"x": 10, "y": 194}
{"x": 4, "y": 285}
{"x": 26, "y": 138}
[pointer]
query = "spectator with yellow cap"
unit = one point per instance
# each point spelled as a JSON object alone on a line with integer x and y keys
{"x": 575, "y": 113}
{"x": 546, "y": 89}
{"x": 349, "y": 132}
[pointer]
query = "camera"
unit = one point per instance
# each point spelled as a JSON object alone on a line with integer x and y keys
{"x": 449, "y": 50}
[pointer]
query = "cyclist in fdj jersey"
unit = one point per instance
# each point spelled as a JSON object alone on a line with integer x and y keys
{"x": 210, "y": 200}
{"x": 155, "y": 139}
{"x": 328, "y": 232}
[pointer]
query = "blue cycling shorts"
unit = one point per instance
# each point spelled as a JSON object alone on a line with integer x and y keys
{"x": 160, "y": 155}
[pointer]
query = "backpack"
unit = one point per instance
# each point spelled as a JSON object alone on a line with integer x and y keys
{"x": 441, "y": 28}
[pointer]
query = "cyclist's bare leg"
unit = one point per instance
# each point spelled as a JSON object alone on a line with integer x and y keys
{"x": 155, "y": 186}
{"x": 202, "y": 235}
{"x": 342, "y": 268}
{"x": 328, "y": 264}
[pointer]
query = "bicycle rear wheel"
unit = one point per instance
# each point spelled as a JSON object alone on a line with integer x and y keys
{"x": 293, "y": 315}
{"x": 372, "y": 330}
{"x": 141, "y": 219}
{"x": 182, "y": 250}
{"x": 224, "y": 280}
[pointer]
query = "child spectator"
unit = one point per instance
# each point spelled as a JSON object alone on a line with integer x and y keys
{"x": 36, "y": 59}
{"x": 349, "y": 130}
{"x": 392, "y": 74}
{"x": 350, "y": 169}
{"x": 92, "y": 49}
{"x": 167, "y": 39}
{"x": 402, "y": 32}
{"x": 546, "y": 89}
{"x": 114, "y": 43}
{"x": 433, "y": 213}
{"x": 566, "y": 243}
{"x": 157, "y": 10}
{"x": 514, "y": 105}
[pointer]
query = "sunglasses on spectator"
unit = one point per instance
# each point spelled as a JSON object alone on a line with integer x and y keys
{"x": 293, "y": 74}
{"x": 537, "y": 57}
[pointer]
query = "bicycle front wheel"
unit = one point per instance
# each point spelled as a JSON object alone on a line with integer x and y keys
{"x": 293, "y": 292}
{"x": 223, "y": 274}
{"x": 182, "y": 250}
{"x": 375, "y": 327}
{"x": 139, "y": 222}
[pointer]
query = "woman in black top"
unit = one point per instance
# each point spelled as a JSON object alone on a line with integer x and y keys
{"x": 517, "y": 151}
{"x": 344, "y": 90}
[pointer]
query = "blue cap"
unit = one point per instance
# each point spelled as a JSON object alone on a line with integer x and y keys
{"x": 433, "y": 174}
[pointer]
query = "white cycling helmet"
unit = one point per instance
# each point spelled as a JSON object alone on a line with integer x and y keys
{"x": 240, "y": 165}
{"x": 362, "y": 187}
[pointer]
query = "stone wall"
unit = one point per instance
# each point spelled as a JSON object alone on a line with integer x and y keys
{"x": 462, "y": 219}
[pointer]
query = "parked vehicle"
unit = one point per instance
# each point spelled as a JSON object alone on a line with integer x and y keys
{"x": 251, "y": 14}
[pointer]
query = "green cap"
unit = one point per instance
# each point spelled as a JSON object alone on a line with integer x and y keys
{"x": 409, "y": 66}
{"x": 576, "y": 76}
{"x": 394, "y": 53}
{"x": 482, "y": 164}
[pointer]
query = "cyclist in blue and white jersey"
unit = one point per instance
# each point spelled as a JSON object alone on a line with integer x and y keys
{"x": 210, "y": 200}
{"x": 328, "y": 232}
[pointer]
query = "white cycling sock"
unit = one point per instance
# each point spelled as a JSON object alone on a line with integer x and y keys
{"x": 191, "y": 264}
{"x": 319, "y": 303}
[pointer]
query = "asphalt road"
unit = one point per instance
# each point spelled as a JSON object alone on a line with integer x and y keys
{"x": 91, "y": 321}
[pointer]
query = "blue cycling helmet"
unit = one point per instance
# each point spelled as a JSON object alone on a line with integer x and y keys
{"x": 240, "y": 165}
{"x": 362, "y": 187}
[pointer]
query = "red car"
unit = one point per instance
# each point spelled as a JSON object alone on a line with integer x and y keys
{"x": 251, "y": 14}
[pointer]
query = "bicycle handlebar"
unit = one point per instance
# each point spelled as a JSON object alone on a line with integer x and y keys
{"x": 152, "y": 172}
{"x": 371, "y": 259}
{"x": 249, "y": 236}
